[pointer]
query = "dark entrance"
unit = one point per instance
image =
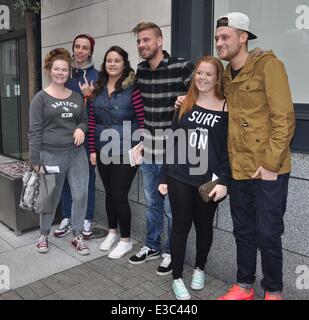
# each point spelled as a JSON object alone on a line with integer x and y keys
{"x": 14, "y": 103}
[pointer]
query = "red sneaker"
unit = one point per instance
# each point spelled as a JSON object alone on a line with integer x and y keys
{"x": 269, "y": 296}
{"x": 42, "y": 244}
{"x": 80, "y": 246}
{"x": 237, "y": 293}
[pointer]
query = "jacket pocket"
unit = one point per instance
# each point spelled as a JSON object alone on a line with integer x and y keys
{"x": 254, "y": 142}
{"x": 251, "y": 85}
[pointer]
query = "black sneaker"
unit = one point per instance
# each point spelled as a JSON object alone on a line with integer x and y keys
{"x": 165, "y": 267}
{"x": 143, "y": 255}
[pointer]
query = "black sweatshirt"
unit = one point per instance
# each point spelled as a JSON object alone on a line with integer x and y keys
{"x": 205, "y": 133}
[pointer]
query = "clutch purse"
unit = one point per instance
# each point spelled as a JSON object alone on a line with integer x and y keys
{"x": 136, "y": 155}
{"x": 206, "y": 188}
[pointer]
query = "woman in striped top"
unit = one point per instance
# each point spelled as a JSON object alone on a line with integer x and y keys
{"x": 118, "y": 118}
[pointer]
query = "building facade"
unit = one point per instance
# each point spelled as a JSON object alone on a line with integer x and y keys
{"x": 188, "y": 29}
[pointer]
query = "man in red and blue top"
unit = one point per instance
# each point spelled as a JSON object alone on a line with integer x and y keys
{"x": 82, "y": 80}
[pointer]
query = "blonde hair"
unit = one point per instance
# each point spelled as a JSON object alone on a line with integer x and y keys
{"x": 193, "y": 92}
{"x": 56, "y": 54}
{"x": 148, "y": 25}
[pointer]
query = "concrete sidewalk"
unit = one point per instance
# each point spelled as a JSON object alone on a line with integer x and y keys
{"x": 62, "y": 274}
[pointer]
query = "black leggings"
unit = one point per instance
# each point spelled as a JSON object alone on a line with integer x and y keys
{"x": 188, "y": 206}
{"x": 117, "y": 180}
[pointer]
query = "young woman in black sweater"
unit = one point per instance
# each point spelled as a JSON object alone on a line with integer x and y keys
{"x": 198, "y": 155}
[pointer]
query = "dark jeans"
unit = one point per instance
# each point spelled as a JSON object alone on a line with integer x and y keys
{"x": 257, "y": 209}
{"x": 117, "y": 180}
{"x": 66, "y": 196}
{"x": 187, "y": 207}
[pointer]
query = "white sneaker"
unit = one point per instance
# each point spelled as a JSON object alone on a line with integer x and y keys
{"x": 87, "y": 231}
{"x": 180, "y": 290}
{"x": 64, "y": 229}
{"x": 87, "y": 225}
{"x": 198, "y": 279}
{"x": 108, "y": 241}
{"x": 121, "y": 249}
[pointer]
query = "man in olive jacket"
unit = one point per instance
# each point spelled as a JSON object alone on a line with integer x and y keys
{"x": 261, "y": 126}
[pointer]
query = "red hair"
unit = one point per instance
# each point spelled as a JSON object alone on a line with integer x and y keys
{"x": 193, "y": 92}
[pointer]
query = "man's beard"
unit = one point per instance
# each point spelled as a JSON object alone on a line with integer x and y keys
{"x": 151, "y": 54}
{"x": 230, "y": 54}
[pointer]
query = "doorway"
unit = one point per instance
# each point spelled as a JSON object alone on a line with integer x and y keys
{"x": 13, "y": 97}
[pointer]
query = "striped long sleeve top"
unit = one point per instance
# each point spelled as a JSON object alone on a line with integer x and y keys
{"x": 160, "y": 89}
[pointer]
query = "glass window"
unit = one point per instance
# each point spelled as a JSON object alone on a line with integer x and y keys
{"x": 9, "y": 96}
{"x": 282, "y": 26}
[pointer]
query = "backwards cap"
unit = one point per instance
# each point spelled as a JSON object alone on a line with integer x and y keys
{"x": 89, "y": 37}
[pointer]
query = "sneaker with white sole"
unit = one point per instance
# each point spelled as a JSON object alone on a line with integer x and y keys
{"x": 144, "y": 254}
{"x": 42, "y": 244}
{"x": 198, "y": 279}
{"x": 87, "y": 231}
{"x": 109, "y": 241}
{"x": 80, "y": 246}
{"x": 64, "y": 229}
{"x": 165, "y": 267}
{"x": 180, "y": 290}
{"x": 121, "y": 249}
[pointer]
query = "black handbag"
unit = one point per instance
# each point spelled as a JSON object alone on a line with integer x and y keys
{"x": 206, "y": 188}
{"x": 44, "y": 203}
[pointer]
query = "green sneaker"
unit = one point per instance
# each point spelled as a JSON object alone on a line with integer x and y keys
{"x": 180, "y": 290}
{"x": 198, "y": 279}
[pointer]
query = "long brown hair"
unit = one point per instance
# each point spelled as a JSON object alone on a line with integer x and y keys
{"x": 193, "y": 92}
{"x": 103, "y": 75}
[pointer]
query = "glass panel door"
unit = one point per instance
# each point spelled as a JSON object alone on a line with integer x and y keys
{"x": 10, "y": 93}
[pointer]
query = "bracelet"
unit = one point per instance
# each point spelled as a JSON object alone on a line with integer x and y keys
{"x": 86, "y": 97}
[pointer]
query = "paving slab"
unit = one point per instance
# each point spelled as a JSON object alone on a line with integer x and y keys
{"x": 4, "y": 247}
{"x": 26, "y": 238}
{"x": 27, "y": 265}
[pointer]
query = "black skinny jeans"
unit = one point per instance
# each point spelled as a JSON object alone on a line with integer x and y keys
{"x": 187, "y": 207}
{"x": 117, "y": 180}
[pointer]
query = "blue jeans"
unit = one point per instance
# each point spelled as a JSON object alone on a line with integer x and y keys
{"x": 257, "y": 209}
{"x": 66, "y": 197}
{"x": 156, "y": 206}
